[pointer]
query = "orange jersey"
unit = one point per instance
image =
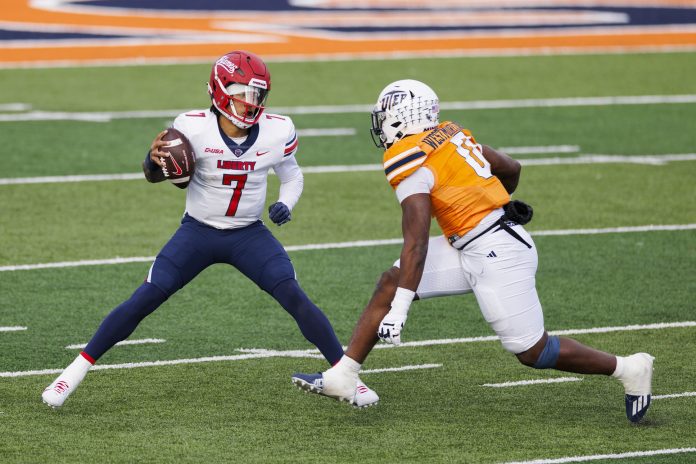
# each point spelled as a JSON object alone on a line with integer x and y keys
{"x": 465, "y": 190}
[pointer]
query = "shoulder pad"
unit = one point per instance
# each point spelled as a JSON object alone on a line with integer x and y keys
{"x": 402, "y": 159}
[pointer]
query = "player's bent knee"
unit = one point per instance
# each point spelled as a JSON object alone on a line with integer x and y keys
{"x": 165, "y": 275}
{"x": 388, "y": 280}
{"x": 274, "y": 273}
{"x": 548, "y": 357}
{"x": 288, "y": 293}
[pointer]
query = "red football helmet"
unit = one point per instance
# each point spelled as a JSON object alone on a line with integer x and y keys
{"x": 240, "y": 77}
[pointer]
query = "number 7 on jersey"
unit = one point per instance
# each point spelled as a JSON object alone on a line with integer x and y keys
{"x": 240, "y": 179}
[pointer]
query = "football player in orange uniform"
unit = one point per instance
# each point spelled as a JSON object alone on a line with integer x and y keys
{"x": 438, "y": 169}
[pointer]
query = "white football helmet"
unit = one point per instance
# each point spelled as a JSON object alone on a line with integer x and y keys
{"x": 404, "y": 107}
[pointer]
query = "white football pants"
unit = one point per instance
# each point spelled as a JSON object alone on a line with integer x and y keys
{"x": 500, "y": 270}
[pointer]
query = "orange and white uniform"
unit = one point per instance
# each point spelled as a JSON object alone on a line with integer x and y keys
{"x": 464, "y": 190}
{"x": 466, "y": 199}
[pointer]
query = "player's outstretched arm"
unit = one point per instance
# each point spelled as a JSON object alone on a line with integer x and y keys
{"x": 152, "y": 166}
{"x": 506, "y": 169}
{"x": 416, "y": 227}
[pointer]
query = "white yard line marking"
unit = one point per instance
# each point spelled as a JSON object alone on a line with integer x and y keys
{"x": 614, "y": 230}
{"x": 597, "y": 457}
{"x": 106, "y": 116}
{"x": 540, "y": 149}
{"x": 12, "y": 328}
{"x": 626, "y": 328}
{"x": 532, "y": 382}
{"x": 331, "y": 132}
{"x": 655, "y": 160}
{"x": 582, "y": 159}
{"x": 255, "y": 353}
{"x": 674, "y": 395}
{"x": 342, "y": 168}
{"x": 142, "y": 341}
{"x": 402, "y": 368}
{"x": 566, "y": 102}
{"x": 655, "y": 326}
{"x": 354, "y": 244}
{"x": 89, "y": 262}
{"x": 75, "y": 178}
{"x": 15, "y": 107}
{"x": 172, "y": 362}
{"x": 313, "y": 354}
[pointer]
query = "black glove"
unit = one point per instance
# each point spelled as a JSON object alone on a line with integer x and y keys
{"x": 279, "y": 213}
{"x": 518, "y": 211}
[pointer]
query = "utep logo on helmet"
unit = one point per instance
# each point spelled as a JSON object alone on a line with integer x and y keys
{"x": 393, "y": 98}
{"x": 227, "y": 64}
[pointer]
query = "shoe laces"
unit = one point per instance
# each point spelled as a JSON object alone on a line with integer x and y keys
{"x": 61, "y": 387}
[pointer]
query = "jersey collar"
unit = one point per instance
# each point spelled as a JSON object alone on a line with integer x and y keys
{"x": 239, "y": 150}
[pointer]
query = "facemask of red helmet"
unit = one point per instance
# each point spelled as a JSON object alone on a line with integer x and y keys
{"x": 246, "y": 104}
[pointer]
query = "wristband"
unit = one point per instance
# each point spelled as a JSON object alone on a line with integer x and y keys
{"x": 402, "y": 301}
{"x": 151, "y": 165}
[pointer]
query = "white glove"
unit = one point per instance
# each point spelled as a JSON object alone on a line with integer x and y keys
{"x": 393, "y": 323}
{"x": 390, "y": 328}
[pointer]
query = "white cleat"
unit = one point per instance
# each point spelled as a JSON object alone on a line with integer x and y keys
{"x": 364, "y": 396}
{"x": 637, "y": 380}
{"x": 359, "y": 395}
{"x": 55, "y": 394}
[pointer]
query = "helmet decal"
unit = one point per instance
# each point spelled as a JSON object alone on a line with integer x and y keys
{"x": 258, "y": 83}
{"x": 225, "y": 62}
{"x": 392, "y": 98}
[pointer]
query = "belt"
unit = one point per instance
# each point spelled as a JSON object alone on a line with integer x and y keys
{"x": 502, "y": 223}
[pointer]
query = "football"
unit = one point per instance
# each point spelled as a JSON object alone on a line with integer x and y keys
{"x": 181, "y": 162}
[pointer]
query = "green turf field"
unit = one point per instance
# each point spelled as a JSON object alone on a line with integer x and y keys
{"x": 246, "y": 410}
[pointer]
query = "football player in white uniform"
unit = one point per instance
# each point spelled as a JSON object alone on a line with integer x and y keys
{"x": 439, "y": 169}
{"x": 236, "y": 144}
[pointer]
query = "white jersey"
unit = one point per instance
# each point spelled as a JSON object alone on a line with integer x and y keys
{"x": 228, "y": 187}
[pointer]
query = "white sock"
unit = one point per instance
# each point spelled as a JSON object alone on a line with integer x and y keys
{"x": 620, "y": 367}
{"x": 77, "y": 369}
{"x": 348, "y": 364}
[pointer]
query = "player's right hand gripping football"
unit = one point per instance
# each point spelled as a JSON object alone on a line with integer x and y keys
{"x": 156, "y": 154}
{"x": 390, "y": 328}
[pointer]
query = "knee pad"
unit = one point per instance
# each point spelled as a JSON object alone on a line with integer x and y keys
{"x": 165, "y": 275}
{"x": 549, "y": 356}
{"x": 275, "y": 272}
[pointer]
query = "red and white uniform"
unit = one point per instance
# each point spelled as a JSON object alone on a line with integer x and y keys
{"x": 228, "y": 187}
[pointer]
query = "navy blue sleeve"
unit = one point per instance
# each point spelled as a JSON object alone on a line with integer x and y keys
{"x": 153, "y": 173}
{"x": 151, "y": 165}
